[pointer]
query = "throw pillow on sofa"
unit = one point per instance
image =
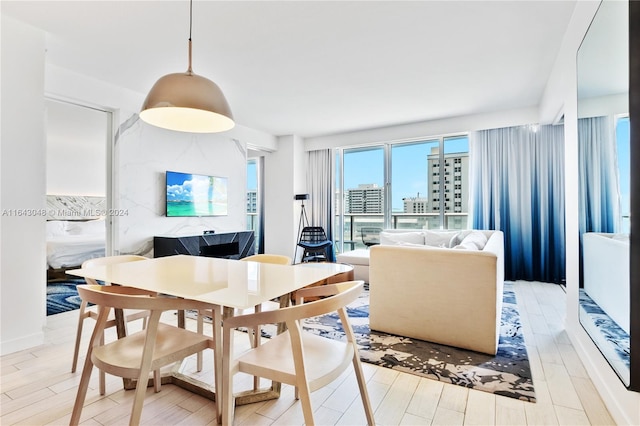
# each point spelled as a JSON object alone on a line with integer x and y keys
{"x": 475, "y": 240}
{"x": 442, "y": 239}
{"x": 401, "y": 238}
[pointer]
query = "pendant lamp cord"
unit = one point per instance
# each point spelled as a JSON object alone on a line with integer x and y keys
{"x": 190, "y": 70}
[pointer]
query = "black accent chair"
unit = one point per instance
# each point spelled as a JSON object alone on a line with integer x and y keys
{"x": 317, "y": 247}
{"x": 370, "y": 236}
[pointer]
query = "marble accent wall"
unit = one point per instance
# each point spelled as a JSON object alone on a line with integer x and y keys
{"x": 79, "y": 207}
{"x": 143, "y": 154}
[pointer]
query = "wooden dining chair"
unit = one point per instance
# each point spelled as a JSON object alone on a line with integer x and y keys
{"x": 138, "y": 354}
{"x": 276, "y": 259}
{"x": 254, "y": 333}
{"x": 296, "y": 357}
{"x": 91, "y": 312}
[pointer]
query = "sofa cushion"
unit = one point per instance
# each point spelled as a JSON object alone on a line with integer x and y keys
{"x": 441, "y": 239}
{"x": 401, "y": 238}
{"x": 354, "y": 257}
{"x": 474, "y": 240}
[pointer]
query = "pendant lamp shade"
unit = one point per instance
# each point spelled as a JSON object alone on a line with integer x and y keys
{"x": 187, "y": 102}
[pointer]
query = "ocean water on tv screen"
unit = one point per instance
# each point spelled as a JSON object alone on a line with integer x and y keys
{"x": 190, "y": 208}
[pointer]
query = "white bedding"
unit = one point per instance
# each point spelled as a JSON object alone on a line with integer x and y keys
{"x": 71, "y": 243}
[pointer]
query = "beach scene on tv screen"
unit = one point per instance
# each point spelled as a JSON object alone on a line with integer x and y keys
{"x": 196, "y": 195}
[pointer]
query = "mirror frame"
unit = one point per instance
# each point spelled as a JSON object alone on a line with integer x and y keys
{"x": 634, "y": 237}
{"x": 633, "y": 381}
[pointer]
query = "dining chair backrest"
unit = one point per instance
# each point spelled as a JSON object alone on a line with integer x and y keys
{"x": 137, "y": 354}
{"x": 85, "y": 312}
{"x": 121, "y": 297}
{"x": 343, "y": 294}
{"x": 297, "y": 357}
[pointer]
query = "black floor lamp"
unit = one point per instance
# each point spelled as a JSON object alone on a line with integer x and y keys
{"x": 304, "y": 221}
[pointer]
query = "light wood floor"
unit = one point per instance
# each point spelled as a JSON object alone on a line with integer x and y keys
{"x": 38, "y": 388}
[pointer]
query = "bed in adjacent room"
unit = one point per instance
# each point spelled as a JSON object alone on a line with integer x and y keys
{"x": 75, "y": 233}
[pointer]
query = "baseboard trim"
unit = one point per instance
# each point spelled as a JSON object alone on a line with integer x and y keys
{"x": 24, "y": 342}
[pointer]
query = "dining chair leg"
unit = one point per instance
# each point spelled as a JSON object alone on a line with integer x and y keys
{"x": 255, "y": 337}
{"x": 102, "y": 377}
{"x": 157, "y": 381}
{"x": 305, "y": 400}
{"x": 76, "y": 350}
{"x": 364, "y": 394}
{"x": 216, "y": 316}
{"x": 227, "y": 405}
{"x": 200, "y": 330}
{"x": 82, "y": 390}
{"x": 145, "y": 369}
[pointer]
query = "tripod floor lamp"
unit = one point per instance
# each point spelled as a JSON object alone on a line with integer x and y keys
{"x": 304, "y": 221}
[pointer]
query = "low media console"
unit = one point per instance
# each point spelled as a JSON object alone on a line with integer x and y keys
{"x": 230, "y": 245}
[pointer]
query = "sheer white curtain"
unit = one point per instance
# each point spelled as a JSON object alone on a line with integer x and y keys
{"x": 320, "y": 183}
{"x": 599, "y": 191}
{"x": 517, "y": 186}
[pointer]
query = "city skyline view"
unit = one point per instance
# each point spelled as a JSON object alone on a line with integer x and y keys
{"x": 409, "y": 169}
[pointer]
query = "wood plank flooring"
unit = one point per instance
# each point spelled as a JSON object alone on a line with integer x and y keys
{"x": 38, "y": 388}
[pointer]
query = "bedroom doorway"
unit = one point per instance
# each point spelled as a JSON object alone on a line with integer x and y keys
{"x": 78, "y": 161}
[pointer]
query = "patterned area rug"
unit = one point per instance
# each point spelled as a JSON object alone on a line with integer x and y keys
{"x": 507, "y": 373}
{"x": 617, "y": 339}
{"x": 62, "y": 296}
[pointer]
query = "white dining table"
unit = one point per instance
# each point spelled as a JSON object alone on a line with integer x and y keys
{"x": 226, "y": 283}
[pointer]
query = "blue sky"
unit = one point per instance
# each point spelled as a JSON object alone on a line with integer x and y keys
{"x": 190, "y": 187}
{"x": 409, "y": 173}
{"x": 409, "y": 170}
{"x": 252, "y": 177}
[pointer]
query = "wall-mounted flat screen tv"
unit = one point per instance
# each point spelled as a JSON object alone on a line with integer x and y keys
{"x": 189, "y": 194}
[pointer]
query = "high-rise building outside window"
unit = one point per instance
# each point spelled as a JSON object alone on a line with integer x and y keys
{"x": 388, "y": 186}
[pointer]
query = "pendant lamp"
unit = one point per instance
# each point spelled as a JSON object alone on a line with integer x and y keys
{"x": 187, "y": 102}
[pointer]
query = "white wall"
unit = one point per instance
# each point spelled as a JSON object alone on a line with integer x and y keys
{"x": 284, "y": 177}
{"x": 77, "y": 139}
{"x": 144, "y": 154}
{"x": 22, "y": 179}
{"x": 622, "y": 404}
{"x": 26, "y": 79}
{"x": 424, "y": 129}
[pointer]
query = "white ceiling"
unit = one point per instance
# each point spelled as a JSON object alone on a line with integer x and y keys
{"x": 315, "y": 68}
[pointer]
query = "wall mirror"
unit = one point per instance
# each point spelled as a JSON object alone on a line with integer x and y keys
{"x": 604, "y": 185}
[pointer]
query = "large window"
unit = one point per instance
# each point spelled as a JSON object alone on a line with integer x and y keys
{"x": 363, "y": 195}
{"x": 624, "y": 169}
{"x": 413, "y": 185}
{"x": 253, "y": 222}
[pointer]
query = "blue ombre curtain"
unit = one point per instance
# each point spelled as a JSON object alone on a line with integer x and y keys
{"x": 517, "y": 186}
{"x": 599, "y": 191}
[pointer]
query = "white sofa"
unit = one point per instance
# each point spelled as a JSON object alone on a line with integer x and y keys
{"x": 359, "y": 259}
{"x": 449, "y": 292}
{"x": 606, "y": 274}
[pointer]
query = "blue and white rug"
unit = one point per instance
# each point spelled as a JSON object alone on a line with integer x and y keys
{"x": 63, "y": 296}
{"x": 507, "y": 373}
{"x": 616, "y": 338}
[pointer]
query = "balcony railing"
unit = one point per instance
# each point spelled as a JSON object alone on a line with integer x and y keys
{"x": 353, "y": 223}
